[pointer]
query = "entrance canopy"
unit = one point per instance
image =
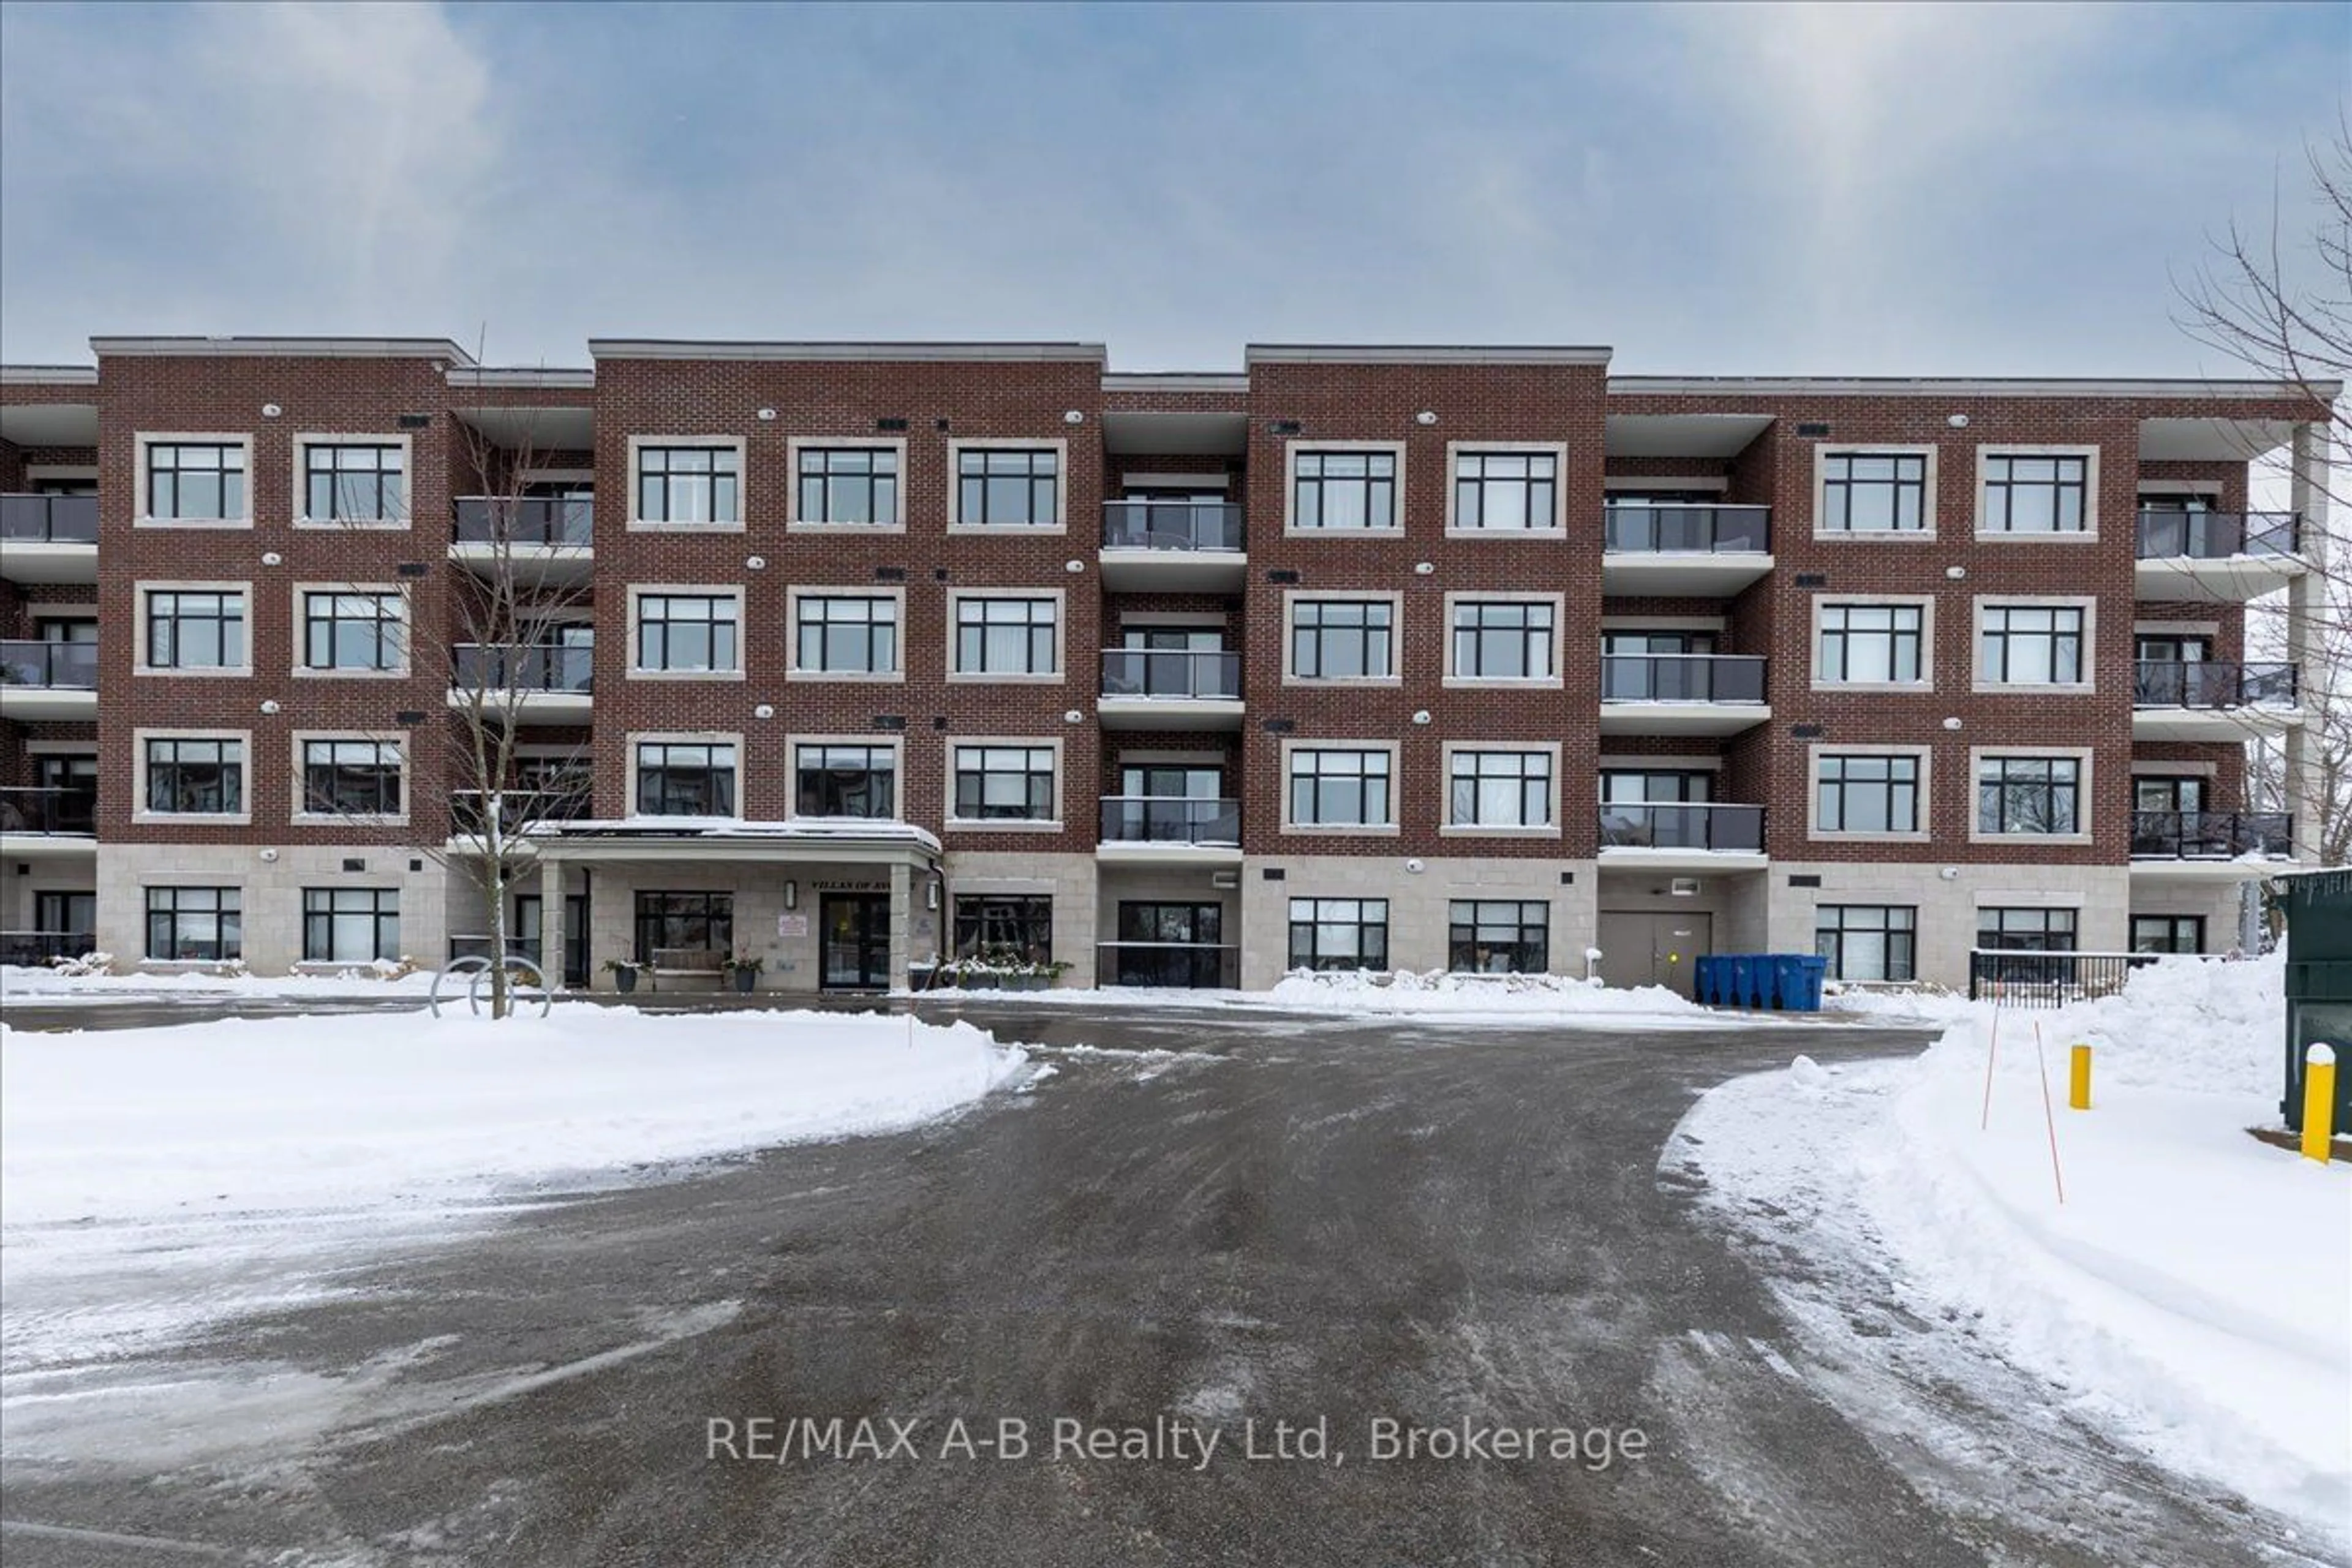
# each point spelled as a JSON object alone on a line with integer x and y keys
{"x": 702, "y": 840}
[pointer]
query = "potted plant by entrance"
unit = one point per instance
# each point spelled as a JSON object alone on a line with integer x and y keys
{"x": 624, "y": 972}
{"x": 745, "y": 973}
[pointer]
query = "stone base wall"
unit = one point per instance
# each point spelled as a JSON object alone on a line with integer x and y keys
{"x": 271, "y": 894}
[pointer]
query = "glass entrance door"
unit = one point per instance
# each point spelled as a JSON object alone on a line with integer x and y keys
{"x": 1170, "y": 944}
{"x": 856, "y": 941}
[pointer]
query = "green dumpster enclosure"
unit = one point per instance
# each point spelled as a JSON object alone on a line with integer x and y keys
{"x": 2318, "y": 983}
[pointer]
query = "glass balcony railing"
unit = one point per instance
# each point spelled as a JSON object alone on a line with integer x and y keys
{"x": 1168, "y": 672}
{"x": 39, "y": 949}
{"x": 527, "y": 520}
{"x": 1646, "y": 826}
{"x": 468, "y": 815}
{"x": 48, "y": 520}
{"x": 2217, "y": 535}
{"x": 66, "y": 666}
{"x": 1639, "y": 528}
{"x": 2211, "y": 835}
{"x": 49, "y": 809}
{"x": 481, "y": 667}
{"x": 1682, "y": 678}
{"x": 1167, "y": 819}
{"x": 2211, "y": 683}
{"x": 1185, "y": 525}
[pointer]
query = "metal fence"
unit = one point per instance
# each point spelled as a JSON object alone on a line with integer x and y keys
{"x": 2019, "y": 978}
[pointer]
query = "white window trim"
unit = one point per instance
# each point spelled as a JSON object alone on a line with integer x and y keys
{"x": 2090, "y": 531}
{"x": 1449, "y": 828}
{"x": 1388, "y": 829}
{"x": 1293, "y": 597}
{"x": 300, "y": 635}
{"x": 960, "y": 445}
{"x": 374, "y": 819}
{"x": 139, "y": 812}
{"x": 1023, "y": 825}
{"x": 1927, "y": 799}
{"x": 1928, "y": 499}
{"x": 1058, "y": 676}
{"x": 300, "y": 490}
{"x": 1552, "y": 682}
{"x": 637, "y": 738}
{"x": 141, "y": 589}
{"x": 1293, "y": 445}
{"x": 636, "y": 524}
{"x": 793, "y": 446}
{"x": 2087, "y": 602}
{"x": 1925, "y": 604}
{"x": 146, "y": 438}
{"x": 894, "y": 742}
{"x": 1456, "y": 450}
{"x": 799, "y": 592}
{"x": 2086, "y": 794}
{"x": 639, "y": 591}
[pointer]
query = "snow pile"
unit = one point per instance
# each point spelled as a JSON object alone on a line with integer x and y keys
{"x": 1364, "y": 991}
{"x": 18, "y": 983}
{"x": 379, "y": 1109}
{"x": 2193, "y": 1291}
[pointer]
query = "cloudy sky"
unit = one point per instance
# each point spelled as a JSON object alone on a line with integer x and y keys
{"x": 1805, "y": 189}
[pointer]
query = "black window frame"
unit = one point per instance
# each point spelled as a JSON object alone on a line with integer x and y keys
{"x": 820, "y": 779}
{"x": 1364, "y": 776}
{"x": 697, "y": 919}
{"x": 1312, "y": 626}
{"x": 1036, "y": 471}
{"x": 662, "y": 775}
{"x": 1834, "y": 655}
{"x": 1372, "y": 939}
{"x": 344, "y": 783}
{"x": 1907, "y": 481}
{"x": 180, "y": 779}
{"x": 1995, "y": 634}
{"x": 370, "y": 499}
{"x": 2001, "y": 485}
{"x": 169, "y": 466}
{"x": 977, "y": 615}
{"x": 1483, "y": 629}
{"x": 659, "y": 473}
{"x": 1837, "y": 772}
{"x": 1473, "y": 474}
{"x": 826, "y": 474}
{"x": 984, "y": 923}
{"x": 320, "y": 913}
{"x": 2006, "y": 805}
{"x": 1313, "y": 480}
{"x": 969, "y": 784}
{"x": 1469, "y": 767}
{"x": 2171, "y": 941}
{"x": 170, "y": 612}
{"x": 822, "y": 624}
{"x": 681, "y": 614}
{"x": 323, "y": 629}
{"x": 2027, "y": 928}
{"x": 1899, "y": 940}
{"x": 225, "y": 907}
{"x": 1470, "y": 944}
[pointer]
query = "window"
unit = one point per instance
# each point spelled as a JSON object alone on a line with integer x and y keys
{"x": 2029, "y": 794}
{"x": 848, "y": 637}
{"x": 2168, "y": 934}
{"x": 195, "y": 924}
{"x": 1501, "y": 493}
{"x": 1019, "y": 923}
{"x": 688, "y": 633}
{"x": 196, "y": 630}
{"x": 1338, "y": 933}
{"x": 832, "y": 779}
{"x": 1867, "y": 794}
{"x": 1640, "y": 786}
{"x": 1353, "y": 492}
{"x": 2030, "y": 645}
{"x": 1342, "y": 639}
{"x": 1874, "y": 492}
{"x": 351, "y": 778}
{"x": 1499, "y": 789}
{"x": 690, "y": 484}
{"x": 692, "y": 922}
{"x": 196, "y": 481}
{"x": 1871, "y": 644}
{"x": 847, "y": 486}
{"x": 195, "y": 778}
{"x": 1004, "y": 783}
{"x": 363, "y": 631}
{"x": 2026, "y": 930}
{"x": 1331, "y": 788}
{"x": 1502, "y": 640}
{"x": 1868, "y": 942}
{"x": 2035, "y": 494}
{"x": 693, "y": 778}
{"x": 1006, "y": 637}
{"x": 350, "y": 925}
{"x": 1000, "y": 487}
{"x": 2168, "y": 792}
{"x": 1491, "y": 936}
{"x": 354, "y": 483}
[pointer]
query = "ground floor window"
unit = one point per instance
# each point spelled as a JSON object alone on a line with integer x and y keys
{"x": 2168, "y": 934}
{"x": 1489, "y": 936}
{"x": 1169, "y": 944}
{"x": 2026, "y": 930}
{"x": 195, "y": 924}
{"x": 1338, "y": 933}
{"x": 700, "y": 922}
{"x": 350, "y": 925}
{"x": 994, "y": 922}
{"x": 1868, "y": 942}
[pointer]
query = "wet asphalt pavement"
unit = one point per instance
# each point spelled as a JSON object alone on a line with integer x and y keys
{"x": 1227, "y": 1218}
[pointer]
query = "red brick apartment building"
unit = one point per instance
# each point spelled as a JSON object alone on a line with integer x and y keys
{"x": 1428, "y": 657}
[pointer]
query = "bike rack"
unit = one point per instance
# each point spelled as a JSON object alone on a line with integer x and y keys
{"x": 477, "y": 968}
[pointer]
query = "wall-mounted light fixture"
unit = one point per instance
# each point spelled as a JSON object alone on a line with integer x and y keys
{"x": 931, "y": 894}
{"x": 791, "y": 894}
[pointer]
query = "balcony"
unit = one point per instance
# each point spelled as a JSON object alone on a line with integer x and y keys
{"x": 1168, "y": 829}
{"x": 1672, "y": 837}
{"x": 53, "y": 820}
{"x": 1708, "y": 551}
{"x": 1681, "y": 693}
{"x": 550, "y": 685}
{"x": 1159, "y": 689}
{"x": 517, "y": 808}
{"x": 2211, "y": 700}
{"x": 47, "y": 680}
{"x": 48, "y": 539}
{"x": 1173, "y": 546}
{"x": 546, "y": 539}
{"x": 2221, "y": 846}
{"x": 2230, "y": 555}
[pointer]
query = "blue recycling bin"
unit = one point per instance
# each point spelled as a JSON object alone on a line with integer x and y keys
{"x": 1707, "y": 979}
{"x": 1797, "y": 981}
{"x": 1745, "y": 991}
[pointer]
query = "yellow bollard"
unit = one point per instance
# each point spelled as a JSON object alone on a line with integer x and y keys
{"x": 2318, "y": 1102}
{"x": 2078, "y": 1080}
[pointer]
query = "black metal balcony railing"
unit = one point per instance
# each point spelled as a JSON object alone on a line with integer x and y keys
{"x": 2215, "y": 535}
{"x": 1168, "y": 819}
{"x": 526, "y": 521}
{"x": 39, "y": 949}
{"x": 1639, "y": 528}
{"x": 1626, "y": 826}
{"x": 2211, "y": 683}
{"x": 48, "y": 810}
{"x": 2211, "y": 835}
{"x": 519, "y": 806}
{"x": 1166, "y": 672}
{"x": 69, "y": 666}
{"x": 2025, "y": 977}
{"x": 482, "y": 667}
{"x": 48, "y": 520}
{"x": 1190, "y": 525}
{"x": 1682, "y": 678}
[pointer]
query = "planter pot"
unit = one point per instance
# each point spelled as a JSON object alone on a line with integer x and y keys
{"x": 746, "y": 980}
{"x": 1027, "y": 982}
{"x": 624, "y": 980}
{"x": 979, "y": 982}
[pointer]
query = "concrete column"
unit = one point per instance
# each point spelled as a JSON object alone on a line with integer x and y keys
{"x": 902, "y": 914}
{"x": 550, "y": 921}
{"x": 2307, "y": 607}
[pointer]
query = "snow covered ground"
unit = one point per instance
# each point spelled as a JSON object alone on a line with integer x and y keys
{"x": 2193, "y": 1293}
{"x": 18, "y": 983}
{"x": 1552, "y": 999}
